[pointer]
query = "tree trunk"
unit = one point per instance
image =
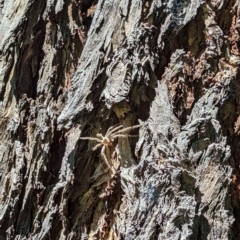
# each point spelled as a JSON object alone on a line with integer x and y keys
{"x": 70, "y": 70}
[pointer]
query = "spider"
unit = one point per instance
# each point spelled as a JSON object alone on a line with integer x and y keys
{"x": 106, "y": 141}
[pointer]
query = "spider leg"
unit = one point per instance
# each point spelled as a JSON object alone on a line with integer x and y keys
{"x": 112, "y": 130}
{"x": 123, "y": 136}
{"x": 126, "y": 129}
{"x": 97, "y": 146}
{"x": 99, "y": 135}
{"x": 105, "y": 159}
{"x": 91, "y": 138}
{"x": 114, "y": 126}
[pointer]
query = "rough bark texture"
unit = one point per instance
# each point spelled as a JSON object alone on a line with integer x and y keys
{"x": 71, "y": 69}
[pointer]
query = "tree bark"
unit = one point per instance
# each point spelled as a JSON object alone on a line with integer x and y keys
{"x": 73, "y": 69}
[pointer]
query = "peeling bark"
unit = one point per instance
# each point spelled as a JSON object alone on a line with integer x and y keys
{"x": 72, "y": 69}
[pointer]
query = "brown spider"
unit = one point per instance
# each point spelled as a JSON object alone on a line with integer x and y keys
{"x": 107, "y": 140}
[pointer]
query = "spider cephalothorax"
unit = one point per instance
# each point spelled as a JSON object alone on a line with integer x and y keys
{"x": 107, "y": 140}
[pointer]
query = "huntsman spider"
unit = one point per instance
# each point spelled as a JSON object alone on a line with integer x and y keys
{"x": 107, "y": 140}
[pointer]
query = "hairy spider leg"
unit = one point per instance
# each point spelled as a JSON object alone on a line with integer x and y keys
{"x": 105, "y": 159}
{"x": 112, "y": 131}
{"x": 91, "y": 138}
{"x": 126, "y": 129}
{"x": 100, "y": 135}
{"x": 112, "y": 127}
{"x": 97, "y": 146}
